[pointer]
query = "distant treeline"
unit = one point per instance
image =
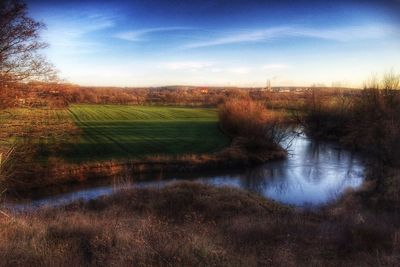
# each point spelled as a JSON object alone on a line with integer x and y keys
{"x": 56, "y": 95}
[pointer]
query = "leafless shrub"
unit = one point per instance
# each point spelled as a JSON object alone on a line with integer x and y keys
{"x": 243, "y": 117}
{"x": 375, "y": 124}
{"x": 250, "y": 120}
{"x": 325, "y": 115}
{"x": 368, "y": 121}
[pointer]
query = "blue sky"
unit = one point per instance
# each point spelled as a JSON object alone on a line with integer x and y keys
{"x": 211, "y": 42}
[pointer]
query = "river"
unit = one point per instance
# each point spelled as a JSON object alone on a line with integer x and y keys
{"x": 314, "y": 174}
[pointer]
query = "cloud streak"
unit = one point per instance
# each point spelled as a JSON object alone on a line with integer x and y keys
{"x": 75, "y": 32}
{"x": 139, "y": 35}
{"x": 77, "y": 27}
{"x": 342, "y": 34}
{"x": 250, "y": 36}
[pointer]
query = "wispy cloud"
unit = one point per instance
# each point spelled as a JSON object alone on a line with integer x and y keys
{"x": 70, "y": 34}
{"x": 249, "y": 36}
{"x": 345, "y": 34}
{"x": 78, "y": 26}
{"x": 138, "y": 35}
{"x": 342, "y": 34}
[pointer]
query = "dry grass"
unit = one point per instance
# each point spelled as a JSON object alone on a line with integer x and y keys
{"x": 25, "y": 135}
{"x": 24, "y": 138}
{"x": 36, "y": 123}
{"x": 195, "y": 225}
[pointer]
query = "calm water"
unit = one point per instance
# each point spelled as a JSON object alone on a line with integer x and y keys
{"x": 314, "y": 174}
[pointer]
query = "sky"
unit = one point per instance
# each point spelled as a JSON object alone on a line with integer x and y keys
{"x": 220, "y": 42}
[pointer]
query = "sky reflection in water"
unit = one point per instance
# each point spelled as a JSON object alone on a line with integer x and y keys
{"x": 314, "y": 174}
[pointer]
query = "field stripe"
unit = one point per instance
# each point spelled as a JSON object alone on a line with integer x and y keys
{"x": 134, "y": 131}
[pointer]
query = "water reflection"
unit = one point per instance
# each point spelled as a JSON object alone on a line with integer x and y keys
{"x": 315, "y": 173}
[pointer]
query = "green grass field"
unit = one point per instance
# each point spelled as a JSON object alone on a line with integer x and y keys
{"x": 113, "y": 131}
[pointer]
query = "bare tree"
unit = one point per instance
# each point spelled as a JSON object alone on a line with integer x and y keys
{"x": 20, "y": 60}
{"x": 20, "y": 45}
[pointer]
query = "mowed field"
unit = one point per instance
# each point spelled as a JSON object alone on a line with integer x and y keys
{"x": 116, "y": 131}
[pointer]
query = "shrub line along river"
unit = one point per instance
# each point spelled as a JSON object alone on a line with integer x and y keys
{"x": 314, "y": 174}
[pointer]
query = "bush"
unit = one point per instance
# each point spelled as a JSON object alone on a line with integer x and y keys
{"x": 250, "y": 123}
{"x": 326, "y": 116}
{"x": 368, "y": 121}
{"x": 243, "y": 117}
{"x": 375, "y": 124}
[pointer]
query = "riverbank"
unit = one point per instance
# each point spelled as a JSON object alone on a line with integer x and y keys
{"x": 190, "y": 224}
{"x": 58, "y": 172}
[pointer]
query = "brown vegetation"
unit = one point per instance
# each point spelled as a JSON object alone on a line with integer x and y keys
{"x": 57, "y": 95}
{"x": 244, "y": 117}
{"x": 250, "y": 123}
{"x": 24, "y": 136}
{"x": 368, "y": 121}
{"x": 376, "y": 121}
{"x": 196, "y": 225}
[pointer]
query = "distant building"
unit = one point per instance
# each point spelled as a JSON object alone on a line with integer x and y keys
{"x": 268, "y": 85}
